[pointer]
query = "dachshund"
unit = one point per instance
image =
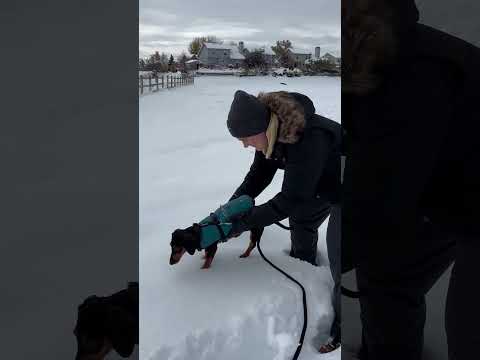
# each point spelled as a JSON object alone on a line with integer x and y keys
{"x": 188, "y": 240}
{"x": 106, "y": 323}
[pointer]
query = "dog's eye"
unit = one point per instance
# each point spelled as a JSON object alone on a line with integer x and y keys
{"x": 177, "y": 250}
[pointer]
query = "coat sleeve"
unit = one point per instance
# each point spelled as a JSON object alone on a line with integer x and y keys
{"x": 304, "y": 167}
{"x": 258, "y": 177}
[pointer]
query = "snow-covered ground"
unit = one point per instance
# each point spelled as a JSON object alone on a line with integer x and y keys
{"x": 189, "y": 165}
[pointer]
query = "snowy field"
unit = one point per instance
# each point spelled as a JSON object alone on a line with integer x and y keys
{"x": 240, "y": 308}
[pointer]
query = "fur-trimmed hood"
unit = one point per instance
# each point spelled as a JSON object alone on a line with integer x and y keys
{"x": 292, "y": 109}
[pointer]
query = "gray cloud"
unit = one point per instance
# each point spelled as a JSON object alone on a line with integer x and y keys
{"x": 168, "y": 26}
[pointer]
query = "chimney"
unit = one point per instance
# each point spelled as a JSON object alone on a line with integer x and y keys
{"x": 317, "y": 52}
{"x": 240, "y": 46}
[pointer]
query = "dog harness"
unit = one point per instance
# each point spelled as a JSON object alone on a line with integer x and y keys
{"x": 218, "y": 225}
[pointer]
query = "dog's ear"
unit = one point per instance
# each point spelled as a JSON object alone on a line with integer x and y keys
{"x": 191, "y": 240}
{"x": 188, "y": 238}
{"x": 176, "y": 238}
{"x": 89, "y": 329}
{"x": 122, "y": 330}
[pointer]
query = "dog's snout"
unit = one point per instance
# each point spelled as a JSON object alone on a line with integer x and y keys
{"x": 176, "y": 255}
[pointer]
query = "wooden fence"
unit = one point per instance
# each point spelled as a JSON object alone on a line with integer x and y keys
{"x": 155, "y": 83}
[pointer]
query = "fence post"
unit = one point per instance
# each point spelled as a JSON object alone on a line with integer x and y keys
{"x": 150, "y": 83}
{"x": 156, "y": 81}
{"x": 162, "y": 81}
{"x": 141, "y": 84}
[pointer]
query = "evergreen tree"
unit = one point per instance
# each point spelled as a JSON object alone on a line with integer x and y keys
{"x": 171, "y": 63}
{"x": 182, "y": 59}
{"x": 164, "y": 58}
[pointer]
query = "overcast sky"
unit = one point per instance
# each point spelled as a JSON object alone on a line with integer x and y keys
{"x": 169, "y": 26}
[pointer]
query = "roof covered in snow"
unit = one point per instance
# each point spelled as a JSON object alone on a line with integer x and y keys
{"x": 329, "y": 56}
{"x": 211, "y": 45}
{"x": 300, "y": 51}
{"x": 268, "y": 50}
{"x": 234, "y": 52}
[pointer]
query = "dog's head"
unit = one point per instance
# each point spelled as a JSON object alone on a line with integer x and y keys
{"x": 186, "y": 240}
{"x": 102, "y": 326}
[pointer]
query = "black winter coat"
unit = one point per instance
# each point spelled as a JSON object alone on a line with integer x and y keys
{"x": 311, "y": 164}
{"x": 412, "y": 153}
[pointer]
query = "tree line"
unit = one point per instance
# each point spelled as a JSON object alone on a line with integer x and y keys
{"x": 255, "y": 58}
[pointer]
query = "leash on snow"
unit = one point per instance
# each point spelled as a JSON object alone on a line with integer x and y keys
{"x": 349, "y": 293}
{"x": 304, "y": 295}
{"x": 346, "y": 292}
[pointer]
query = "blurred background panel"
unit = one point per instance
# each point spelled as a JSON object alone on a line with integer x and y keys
{"x": 459, "y": 18}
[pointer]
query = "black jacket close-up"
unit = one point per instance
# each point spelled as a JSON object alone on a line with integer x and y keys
{"x": 311, "y": 165}
{"x": 412, "y": 152}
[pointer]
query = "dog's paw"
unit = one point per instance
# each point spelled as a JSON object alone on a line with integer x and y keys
{"x": 250, "y": 248}
{"x": 246, "y": 254}
{"x": 208, "y": 263}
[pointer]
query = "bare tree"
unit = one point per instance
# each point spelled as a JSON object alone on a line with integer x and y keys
{"x": 255, "y": 59}
{"x": 282, "y": 51}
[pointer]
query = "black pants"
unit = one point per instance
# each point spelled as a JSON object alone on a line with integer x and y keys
{"x": 393, "y": 312}
{"x": 334, "y": 245}
{"x": 304, "y": 235}
{"x": 304, "y": 224}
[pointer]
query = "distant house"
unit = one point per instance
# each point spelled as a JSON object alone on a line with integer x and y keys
{"x": 299, "y": 56}
{"x": 269, "y": 55}
{"x": 331, "y": 59}
{"x": 192, "y": 64}
{"x": 213, "y": 54}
